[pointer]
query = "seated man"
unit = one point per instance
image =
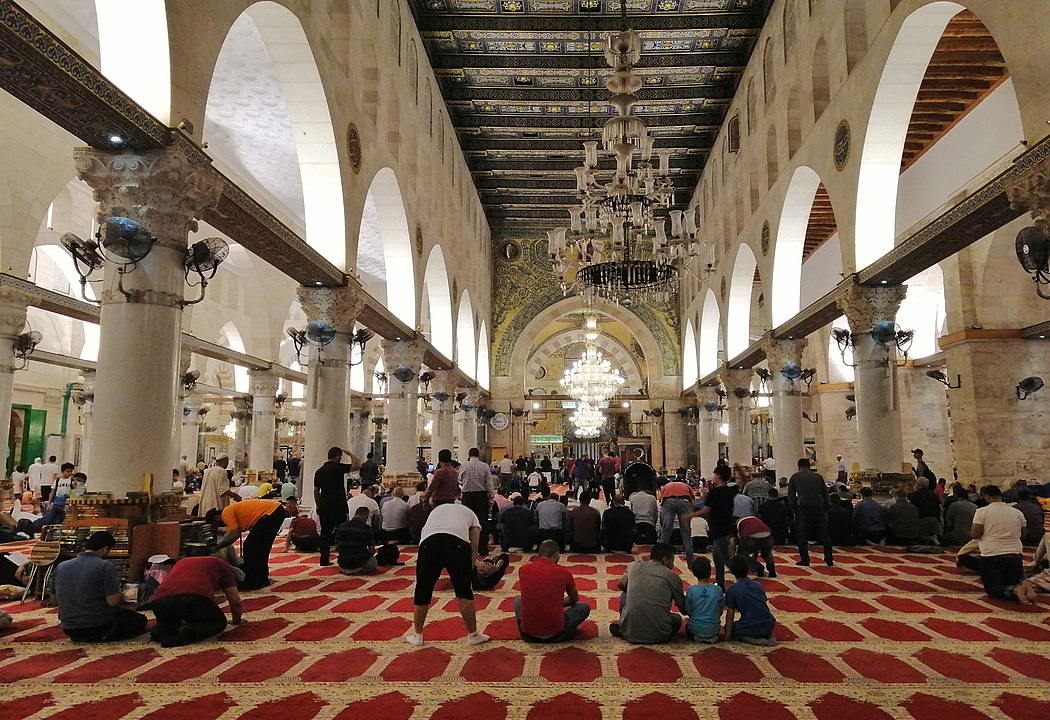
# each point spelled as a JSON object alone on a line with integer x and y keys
{"x": 394, "y": 522}
{"x": 618, "y": 527}
{"x": 840, "y": 522}
{"x": 584, "y": 526}
{"x": 185, "y": 605}
{"x": 869, "y": 519}
{"x": 647, "y": 590}
{"x": 776, "y": 513}
{"x": 646, "y": 516}
{"x": 746, "y": 597}
{"x": 903, "y": 519}
{"x": 958, "y": 517}
{"x": 551, "y": 519}
{"x": 356, "y": 544}
{"x": 89, "y": 599}
{"x": 998, "y": 529}
{"x": 488, "y": 572}
{"x": 303, "y": 534}
{"x": 755, "y": 538}
{"x": 1033, "y": 515}
{"x": 517, "y": 528}
{"x": 549, "y": 609}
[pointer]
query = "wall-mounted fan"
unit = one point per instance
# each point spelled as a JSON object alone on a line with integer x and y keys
{"x": 741, "y": 392}
{"x": 888, "y": 334}
{"x": 791, "y": 371}
{"x": 1028, "y": 386}
{"x": 851, "y": 412}
{"x": 86, "y": 259}
{"x": 358, "y": 341}
{"x": 189, "y": 380}
{"x": 1033, "y": 252}
{"x": 317, "y": 332}
{"x": 120, "y": 240}
{"x": 77, "y": 395}
{"x": 24, "y": 345}
{"x": 203, "y": 259}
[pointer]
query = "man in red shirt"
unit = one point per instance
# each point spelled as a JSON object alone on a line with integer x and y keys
{"x": 445, "y": 484}
{"x": 607, "y": 469}
{"x": 549, "y": 609}
{"x": 185, "y": 605}
{"x": 676, "y": 501}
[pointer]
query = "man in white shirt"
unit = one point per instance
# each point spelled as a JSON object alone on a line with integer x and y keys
{"x": 48, "y": 472}
{"x": 19, "y": 480}
{"x": 506, "y": 473}
{"x": 366, "y": 498}
{"x": 33, "y": 477}
{"x": 841, "y": 469}
{"x": 998, "y": 528}
{"x": 395, "y": 518}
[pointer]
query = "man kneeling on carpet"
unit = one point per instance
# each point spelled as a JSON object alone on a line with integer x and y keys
{"x": 356, "y": 544}
{"x": 549, "y": 609}
{"x": 449, "y": 541}
{"x": 185, "y": 605}
{"x": 647, "y": 591}
{"x": 89, "y": 598}
{"x": 746, "y": 597}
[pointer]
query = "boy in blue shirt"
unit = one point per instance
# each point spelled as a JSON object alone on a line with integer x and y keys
{"x": 703, "y": 604}
{"x": 746, "y": 597}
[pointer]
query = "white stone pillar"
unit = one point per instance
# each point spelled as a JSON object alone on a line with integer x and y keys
{"x": 328, "y": 379}
{"x": 13, "y": 304}
{"x": 875, "y": 376}
{"x": 360, "y": 426}
{"x": 442, "y": 414}
{"x": 87, "y": 413}
{"x": 788, "y": 443}
{"x": 707, "y": 429}
{"x": 738, "y": 414}
{"x": 138, "y": 360}
{"x": 190, "y": 435}
{"x": 468, "y": 427}
{"x": 402, "y": 404}
{"x": 264, "y": 420}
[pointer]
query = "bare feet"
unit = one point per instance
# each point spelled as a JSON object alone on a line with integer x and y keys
{"x": 1021, "y": 593}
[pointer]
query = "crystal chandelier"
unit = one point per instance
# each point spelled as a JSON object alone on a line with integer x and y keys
{"x": 617, "y": 246}
{"x": 592, "y": 379}
{"x": 587, "y": 420}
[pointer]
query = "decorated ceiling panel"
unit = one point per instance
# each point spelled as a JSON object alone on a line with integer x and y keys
{"x": 524, "y": 82}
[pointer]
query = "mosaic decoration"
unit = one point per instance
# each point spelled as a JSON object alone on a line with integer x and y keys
{"x": 765, "y": 238}
{"x": 523, "y": 289}
{"x": 419, "y": 240}
{"x": 353, "y": 147}
{"x": 722, "y": 290}
{"x": 841, "y": 145}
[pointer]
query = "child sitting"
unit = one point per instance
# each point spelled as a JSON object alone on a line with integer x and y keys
{"x": 745, "y": 596}
{"x": 703, "y": 604}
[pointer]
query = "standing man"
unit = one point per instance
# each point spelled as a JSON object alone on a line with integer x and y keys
{"x": 475, "y": 482}
{"x": 89, "y": 599}
{"x": 448, "y": 542}
{"x": 808, "y": 497}
{"x": 280, "y": 467}
{"x": 48, "y": 472}
{"x": 676, "y": 501}
{"x": 330, "y": 497}
{"x": 369, "y": 472}
{"x": 647, "y": 591}
{"x": 34, "y": 478}
{"x": 769, "y": 469}
{"x": 295, "y": 466}
{"x": 607, "y": 467}
{"x": 215, "y": 487}
{"x": 506, "y": 473}
{"x": 185, "y": 602}
{"x": 549, "y": 609}
{"x": 264, "y": 519}
{"x": 718, "y": 510}
{"x": 922, "y": 470}
{"x": 841, "y": 470}
{"x": 444, "y": 482}
{"x": 997, "y": 528}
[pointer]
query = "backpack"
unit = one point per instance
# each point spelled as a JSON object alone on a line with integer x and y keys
{"x": 388, "y": 555}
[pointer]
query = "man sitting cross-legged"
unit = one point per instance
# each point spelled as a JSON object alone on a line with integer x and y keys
{"x": 647, "y": 591}
{"x": 356, "y": 544}
{"x": 549, "y": 609}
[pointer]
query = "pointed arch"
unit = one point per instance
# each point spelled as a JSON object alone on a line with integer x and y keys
{"x": 147, "y": 79}
{"x": 790, "y": 242}
{"x": 710, "y": 335}
{"x": 768, "y": 83}
{"x": 398, "y": 255}
{"x": 438, "y": 295}
{"x": 483, "y": 356}
{"x": 466, "y": 344}
{"x": 752, "y": 107}
{"x": 856, "y": 32}
{"x": 738, "y": 316}
{"x": 690, "y": 369}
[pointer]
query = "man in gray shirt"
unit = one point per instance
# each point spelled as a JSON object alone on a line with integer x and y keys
{"x": 88, "y": 592}
{"x": 808, "y": 498}
{"x": 646, "y": 514}
{"x": 394, "y": 513}
{"x": 647, "y": 591}
{"x": 551, "y": 519}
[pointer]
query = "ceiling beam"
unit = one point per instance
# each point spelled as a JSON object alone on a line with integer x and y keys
{"x": 684, "y": 162}
{"x": 430, "y": 22}
{"x": 548, "y": 95}
{"x": 525, "y": 62}
{"x": 469, "y": 144}
{"x": 527, "y": 123}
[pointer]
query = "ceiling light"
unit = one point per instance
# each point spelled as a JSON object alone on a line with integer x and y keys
{"x": 535, "y": 406}
{"x": 626, "y": 404}
{"x": 116, "y": 140}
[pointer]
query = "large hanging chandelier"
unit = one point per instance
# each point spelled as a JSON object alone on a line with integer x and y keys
{"x": 592, "y": 379}
{"x": 588, "y": 420}
{"x": 617, "y": 246}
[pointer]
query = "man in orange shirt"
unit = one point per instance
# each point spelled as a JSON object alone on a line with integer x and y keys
{"x": 264, "y": 519}
{"x": 676, "y": 501}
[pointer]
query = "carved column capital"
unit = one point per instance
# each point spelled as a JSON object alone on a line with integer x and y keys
{"x": 262, "y": 383}
{"x": 1031, "y": 193}
{"x": 781, "y": 352}
{"x": 732, "y": 378}
{"x": 864, "y": 306}
{"x": 339, "y": 306}
{"x": 13, "y": 304}
{"x": 402, "y": 352}
{"x": 705, "y": 394}
{"x": 163, "y": 189}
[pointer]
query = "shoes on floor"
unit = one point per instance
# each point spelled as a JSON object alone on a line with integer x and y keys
{"x": 414, "y": 639}
{"x": 475, "y": 638}
{"x": 761, "y": 642}
{"x": 325, "y": 564}
{"x": 803, "y": 563}
{"x": 772, "y": 574}
{"x": 829, "y": 563}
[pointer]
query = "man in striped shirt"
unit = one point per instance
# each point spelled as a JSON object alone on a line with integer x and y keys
{"x": 475, "y": 481}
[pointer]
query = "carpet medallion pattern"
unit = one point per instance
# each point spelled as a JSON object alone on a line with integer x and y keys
{"x": 880, "y": 636}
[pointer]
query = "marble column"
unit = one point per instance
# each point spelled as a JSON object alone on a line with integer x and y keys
{"x": 402, "y": 405}
{"x": 656, "y": 434}
{"x": 190, "y": 435}
{"x": 674, "y": 435}
{"x": 360, "y": 426}
{"x": 738, "y": 414}
{"x": 788, "y": 444}
{"x": 242, "y": 419}
{"x": 13, "y": 304}
{"x": 87, "y": 413}
{"x": 875, "y": 376}
{"x": 707, "y": 429}
{"x": 137, "y": 389}
{"x": 442, "y": 414}
{"x": 328, "y": 376}
{"x": 468, "y": 427}
{"x": 264, "y": 419}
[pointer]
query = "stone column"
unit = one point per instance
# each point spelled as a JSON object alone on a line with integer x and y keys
{"x": 87, "y": 413}
{"x": 360, "y": 426}
{"x": 788, "y": 445}
{"x": 656, "y": 433}
{"x": 137, "y": 399}
{"x": 242, "y": 419}
{"x": 13, "y": 304}
{"x": 674, "y": 435}
{"x": 264, "y": 419}
{"x": 875, "y": 376}
{"x": 468, "y": 427}
{"x": 707, "y": 429}
{"x": 190, "y": 436}
{"x": 328, "y": 378}
{"x": 442, "y": 414}
{"x": 738, "y": 414}
{"x": 402, "y": 404}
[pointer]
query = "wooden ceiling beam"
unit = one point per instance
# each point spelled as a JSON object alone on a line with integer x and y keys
{"x": 534, "y": 61}
{"x": 526, "y": 123}
{"x": 430, "y": 22}
{"x": 500, "y": 93}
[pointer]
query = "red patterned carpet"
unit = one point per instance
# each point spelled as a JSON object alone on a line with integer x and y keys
{"x": 880, "y": 636}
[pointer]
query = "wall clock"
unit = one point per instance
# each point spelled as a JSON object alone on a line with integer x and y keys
{"x": 500, "y": 421}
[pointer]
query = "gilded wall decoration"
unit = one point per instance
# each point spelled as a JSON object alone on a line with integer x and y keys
{"x": 353, "y": 147}
{"x": 521, "y": 290}
{"x": 840, "y": 148}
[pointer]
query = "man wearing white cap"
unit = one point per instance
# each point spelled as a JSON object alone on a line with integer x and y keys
{"x": 215, "y": 488}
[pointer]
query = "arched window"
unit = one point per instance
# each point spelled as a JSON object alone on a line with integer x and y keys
{"x": 733, "y": 133}
{"x": 767, "y": 71}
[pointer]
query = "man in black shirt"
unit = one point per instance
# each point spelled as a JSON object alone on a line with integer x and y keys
{"x": 808, "y": 497}
{"x": 356, "y": 544}
{"x": 369, "y": 472}
{"x": 718, "y": 510}
{"x": 776, "y": 514}
{"x": 517, "y": 526}
{"x": 330, "y": 497}
{"x": 925, "y": 499}
{"x": 618, "y": 527}
{"x": 280, "y": 466}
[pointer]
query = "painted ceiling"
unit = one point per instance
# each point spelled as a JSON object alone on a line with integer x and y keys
{"x": 524, "y": 84}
